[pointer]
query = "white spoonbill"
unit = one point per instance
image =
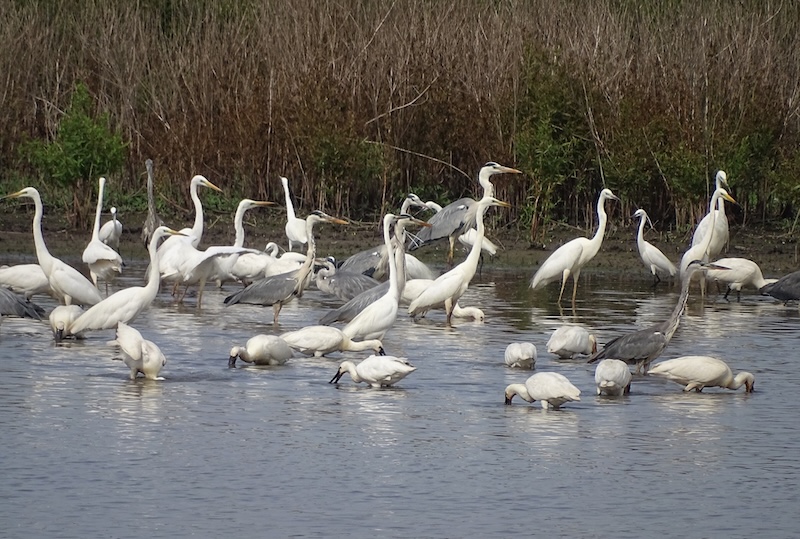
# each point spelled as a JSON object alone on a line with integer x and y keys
{"x": 320, "y": 340}
{"x": 715, "y": 220}
{"x": 741, "y": 272}
{"x": 124, "y": 305}
{"x": 697, "y": 372}
{"x": 377, "y": 371}
{"x": 449, "y": 287}
{"x": 261, "y": 350}
{"x": 62, "y": 318}
{"x": 653, "y": 258}
{"x": 103, "y": 261}
{"x": 550, "y": 388}
{"x": 139, "y": 354}
{"x": 66, "y": 283}
{"x": 296, "y": 230}
{"x": 612, "y": 377}
{"x": 521, "y": 355}
{"x": 111, "y": 231}
{"x": 568, "y": 341}
{"x": 570, "y": 258}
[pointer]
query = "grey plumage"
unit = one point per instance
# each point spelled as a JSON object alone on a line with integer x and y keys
{"x": 343, "y": 284}
{"x": 785, "y": 289}
{"x": 13, "y": 304}
{"x": 152, "y": 221}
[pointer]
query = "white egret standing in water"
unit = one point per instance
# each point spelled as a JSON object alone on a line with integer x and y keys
{"x": 697, "y": 372}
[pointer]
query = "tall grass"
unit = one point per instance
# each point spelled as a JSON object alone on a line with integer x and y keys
{"x": 360, "y": 102}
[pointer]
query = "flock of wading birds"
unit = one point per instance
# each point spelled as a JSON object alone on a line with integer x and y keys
{"x": 373, "y": 284}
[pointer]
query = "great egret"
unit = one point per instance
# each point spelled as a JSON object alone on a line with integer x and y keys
{"x": 643, "y": 346}
{"x": 700, "y": 250}
{"x": 741, "y": 272}
{"x": 653, "y": 258}
{"x": 612, "y": 377}
{"x": 376, "y": 319}
{"x": 13, "y": 304}
{"x": 345, "y": 285}
{"x": 214, "y": 263}
{"x": 261, "y": 350}
{"x": 296, "y": 229}
{"x": 715, "y": 220}
{"x": 458, "y": 217}
{"x": 449, "y": 287}
{"x": 139, "y": 354}
{"x": 785, "y": 289}
{"x": 277, "y": 290}
{"x": 66, "y": 283}
{"x": 103, "y": 261}
{"x": 153, "y": 221}
{"x": 173, "y": 252}
{"x": 568, "y": 341}
{"x": 124, "y": 305}
{"x": 521, "y": 355}
{"x": 26, "y": 279}
{"x": 61, "y": 319}
{"x": 111, "y": 231}
{"x": 377, "y": 371}
{"x": 697, "y": 372}
{"x": 550, "y": 388}
{"x": 320, "y": 340}
{"x": 570, "y": 258}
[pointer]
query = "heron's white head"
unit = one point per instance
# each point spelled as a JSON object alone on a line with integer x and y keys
{"x": 606, "y": 194}
{"x": 202, "y": 181}
{"x": 28, "y": 192}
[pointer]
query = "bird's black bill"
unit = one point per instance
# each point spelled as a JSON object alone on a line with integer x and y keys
{"x": 336, "y": 377}
{"x": 232, "y": 362}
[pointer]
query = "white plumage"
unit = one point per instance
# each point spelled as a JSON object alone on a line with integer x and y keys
{"x": 521, "y": 355}
{"x": 103, "y": 261}
{"x": 61, "y": 319}
{"x": 715, "y": 219}
{"x": 612, "y": 377}
{"x": 139, "y": 354}
{"x": 550, "y": 388}
{"x": 700, "y": 250}
{"x": 111, "y": 231}
{"x": 261, "y": 350}
{"x": 568, "y": 341}
{"x": 740, "y": 272}
{"x": 295, "y": 227}
{"x": 376, "y": 371}
{"x": 653, "y": 258}
{"x": 697, "y": 372}
{"x": 26, "y": 279}
{"x": 320, "y": 340}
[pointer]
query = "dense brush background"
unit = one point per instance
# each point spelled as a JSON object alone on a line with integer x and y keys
{"x": 360, "y": 102}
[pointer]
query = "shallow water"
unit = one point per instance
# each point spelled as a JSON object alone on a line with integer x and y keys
{"x": 277, "y": 451}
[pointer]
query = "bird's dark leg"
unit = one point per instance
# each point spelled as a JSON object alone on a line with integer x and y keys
{"x": 727, "y": 291}
{"x": 656, "y": 279}
{"x": 276, "y": 310}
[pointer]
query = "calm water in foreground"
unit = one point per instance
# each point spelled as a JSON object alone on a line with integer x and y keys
{"x": 279, "y": 452}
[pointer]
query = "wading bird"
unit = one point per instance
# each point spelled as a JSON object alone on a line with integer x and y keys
{"x": 345, "y": 285}
{"x": 697, "y": 372}
{"x": 570, "y": 258}
{"x": 153, "y": 221}
{"x": 67, "y": 284}
{"x": 785, "y": 289}
{"x": 126, "y": 304}
{"x": 550, "y": 388}
{"x": 377, "y": 371}
{"x": 13, "y": 304}
{"x": 643, "y": 346}
{"x": 448, "y": 288}
{"x": 741, "y": 272}
{"x": 653, "y": 258}
{"x": 568, "y": 341}
{"x": 26, "y": 279}
{"x": 111, "y": 231}
{"x": 320, "y": 340}
{"x": 278, "y": 290}
{"x": 61, "y": 319}
{"x": 296, "y": 230}
{"x": 458, "y": 217}
{"x": 700, "y": 250}
{"x": 715, "y": 220}
{"x": 612, "y": 377}
{"x": 521, "y": 355}
{"x": 139, "y": 354}
{"x": 261, "y": 350}
{"x": 103, "y": 261}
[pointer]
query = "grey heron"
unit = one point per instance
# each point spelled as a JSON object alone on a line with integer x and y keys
{"x": 570, "y": 258}
{"x": 643, "y": 346}
{"x": 277, "y": 290}
{"x": 13, "y": 304}
{"x": 785, "y": 289}
{"x": 458, "y": 217}
{"x": 345, "y": 285}
{"x": 152, "y": 221}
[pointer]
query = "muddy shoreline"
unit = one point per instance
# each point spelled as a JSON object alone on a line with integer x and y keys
{"x": 776, "y": 252}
